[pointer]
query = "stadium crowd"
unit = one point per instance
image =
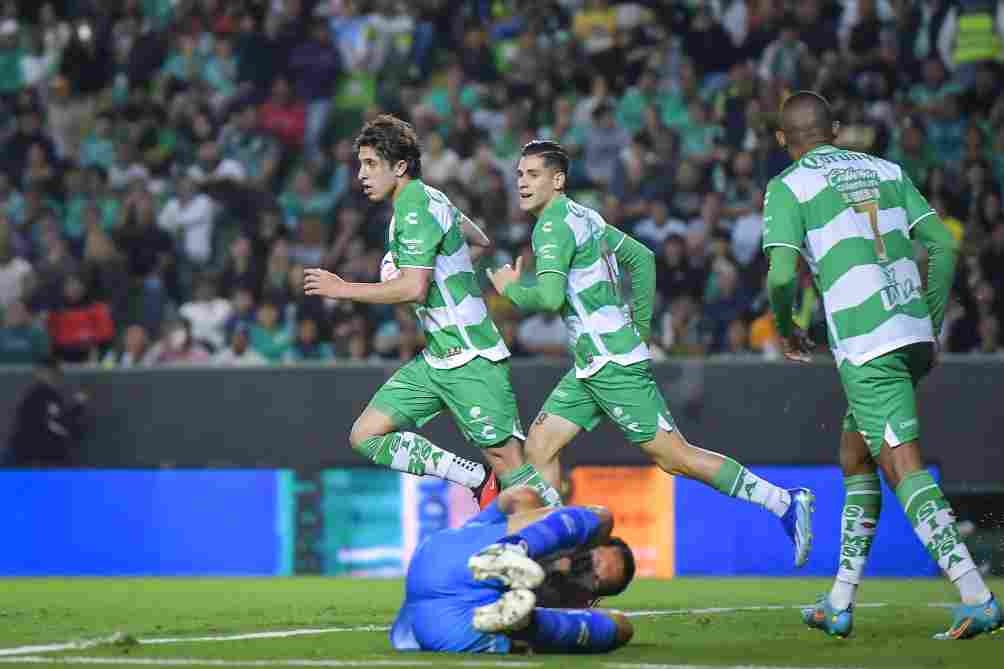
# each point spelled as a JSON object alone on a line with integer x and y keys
{"x": 169, "y": 167}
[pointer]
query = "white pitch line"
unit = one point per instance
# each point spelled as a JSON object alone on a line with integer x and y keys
{"x": 93, "y": 643}
{"x": 735, "y": 609}
{"x": 627, "y": 665}
{"x": 197, "y": 662}
{"x": 265, "y": 635}
{"x": 22, "y": 651}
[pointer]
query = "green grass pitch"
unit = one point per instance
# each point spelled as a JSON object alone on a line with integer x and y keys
{"x": 894, "y": 623}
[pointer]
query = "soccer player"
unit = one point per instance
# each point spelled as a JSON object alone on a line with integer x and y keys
{"x": 578, "y": 260}
{"x": 464, "y": 367}
{"x": 853, "y": 217}
{"x": 476, "y": 589}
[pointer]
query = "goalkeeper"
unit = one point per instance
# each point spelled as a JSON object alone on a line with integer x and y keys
{"x": 495, "y": 585}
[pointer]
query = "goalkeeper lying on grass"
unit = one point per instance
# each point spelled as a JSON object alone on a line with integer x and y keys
{"x": 489, "y": 586}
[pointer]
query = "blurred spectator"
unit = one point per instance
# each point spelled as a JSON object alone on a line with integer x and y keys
{"x": 80, "y": 328}
{"x": 239, "y": 353}
{"x": 133, "y": 350}
{"x": 49, "y": 421}
{"x": 189, "y": 218}
{"x": 728, "y": 303}
{"x": 544, "y": 334}
{"x": 284, "y": 115}
{"x": 21, "y": 341}
{"x": 269, "y": 337}
{"x": 307, "y": 345}
{"x": 208, "y": 313}
{"x": 13, "y": 269}
{"x": 675, "y": 275}
{"x": 179, "y": 346}
{"x": 398, "y": 337}
{"x": 657, "y": 228}
{"x": 316, "y": 66}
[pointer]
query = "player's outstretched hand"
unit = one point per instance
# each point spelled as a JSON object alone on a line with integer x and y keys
{"x": 324, "y": 283}
{"x": 505, "y": 275}
{"x": 798, "y": 346}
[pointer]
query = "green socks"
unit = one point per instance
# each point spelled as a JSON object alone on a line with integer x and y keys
{"x": 934, "y": 522}
{"x": 859, "y": 522}
{"x": 529, "y": 476}
{"x": 734, "y": 480}
{"x": 414, "y": 454}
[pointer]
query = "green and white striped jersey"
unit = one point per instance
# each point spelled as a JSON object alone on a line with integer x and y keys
{"x": 425, "y": 232}
{"x": 851, "y": 216}
{"x": 574, "y": 240}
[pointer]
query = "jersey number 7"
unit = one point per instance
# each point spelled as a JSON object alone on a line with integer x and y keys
{"x": 871, "y": 209}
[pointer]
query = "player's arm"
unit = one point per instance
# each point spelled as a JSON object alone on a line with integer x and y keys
{"x": 942, "y": 251}
{"x": 412, "y": 285}
{"x": 549, "y": 531}
{"x": 419, "y": 236}
{"x": 783, "y": 235}
{"x": 640, "y": 263}
{"x": 560, "y": 631}
{"x": 553, "y": 246}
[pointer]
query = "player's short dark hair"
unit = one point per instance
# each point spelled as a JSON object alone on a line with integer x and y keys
{"x": 393, "y": 140}
{"x": 552, "y": 153}
{"x": 629, "y": 566}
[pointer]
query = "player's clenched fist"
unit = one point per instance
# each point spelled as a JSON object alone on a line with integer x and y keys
{"x": 324, "y": 283}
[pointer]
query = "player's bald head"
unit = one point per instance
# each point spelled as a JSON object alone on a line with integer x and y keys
{"x": 806, "y": 121}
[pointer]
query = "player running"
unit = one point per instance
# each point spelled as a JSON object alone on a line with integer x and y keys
{"x": 578, "y": 260}
{"x": 476, "y": 589}
{"x": 465, "y": 365}
{"x": 853, "y": 216}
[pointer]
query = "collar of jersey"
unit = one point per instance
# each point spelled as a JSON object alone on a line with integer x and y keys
{"x": 561, "y": 199}
{"x": 823, "y": 148}
{"x": 417, "y": 183}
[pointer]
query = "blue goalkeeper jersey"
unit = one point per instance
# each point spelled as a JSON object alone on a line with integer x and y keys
{"x": 441, "y": 594}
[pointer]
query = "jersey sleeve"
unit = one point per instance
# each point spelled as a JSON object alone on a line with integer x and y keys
{"x": 553, "y": 246}
{"x": 782, "y": 217}
{"x": 418, "y": 235}
{"x": 614, "y": 238}
{"x": 916, "y": 205}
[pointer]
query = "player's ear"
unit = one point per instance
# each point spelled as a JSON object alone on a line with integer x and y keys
{"x": 781, "y": 139}
{"x": 400, "y": 168}
{"x": 836, "y": 129}
{"x": 559, "y": 181}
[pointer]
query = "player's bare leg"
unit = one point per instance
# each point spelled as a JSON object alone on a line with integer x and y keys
{"x": 676, "y": 456}
{"x": 375, "y": 436}
{"x": 548, "y": 435}
{"x": 934, "y": 522}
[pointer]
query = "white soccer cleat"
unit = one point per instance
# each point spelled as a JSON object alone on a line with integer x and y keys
{"x": 509, "y": 564}
{"x": 509, "y": 613}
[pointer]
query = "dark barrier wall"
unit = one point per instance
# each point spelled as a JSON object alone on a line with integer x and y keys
{"x": 300, "y": 417}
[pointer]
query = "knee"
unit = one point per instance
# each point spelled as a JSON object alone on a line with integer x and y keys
{"x": 359, "y": 435}
{"x": 504, "y": 458}
{"x": 671, "y": 452}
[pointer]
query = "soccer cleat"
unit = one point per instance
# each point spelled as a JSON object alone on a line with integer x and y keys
{"x": 509, "y": 564}
{"x": 824, "y": 617}
{"x": 509, "y": 613}
{"x": 797, "y": 522}
{"x": 487, "y": 491}
{"x": 970, "y": 621}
